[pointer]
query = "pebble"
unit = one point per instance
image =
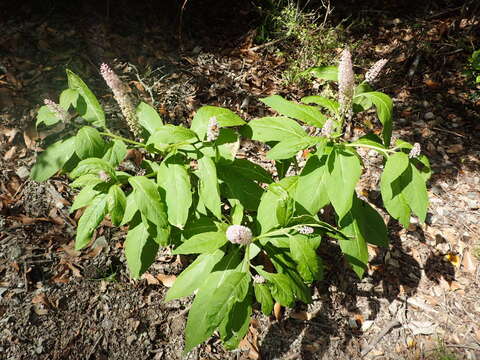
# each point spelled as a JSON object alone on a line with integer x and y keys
{"x": 437, "y": 190}
{"x": 429, "y": 116}
{"x": 22, "y": 172}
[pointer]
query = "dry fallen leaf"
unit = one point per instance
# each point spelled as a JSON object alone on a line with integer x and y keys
{"x": 167, "y": 280}
{"x": 277, "y": 311}
{"x": 151, "y": 280}
{"x": 468, "y": 262}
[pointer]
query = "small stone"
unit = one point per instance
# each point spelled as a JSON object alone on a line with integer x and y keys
{"x": 22, "y": 172}
{"x": 437, "y": 190}
{"x": 429, "y": 116}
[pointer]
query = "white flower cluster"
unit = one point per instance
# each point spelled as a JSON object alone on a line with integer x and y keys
{"x": 258, "y": 279}
{"x": 305, "y": 230}
{"x": 238, "y": 234}
{"x": 213, "y": 129}
{"x": 375, "y": 70}
{"x": 415, "y": 152}
{"x": 327, "y": 128}
{"x": 346, "y": 80}
{"x": 120, "y": 93}
{"x": 57, "y": 110}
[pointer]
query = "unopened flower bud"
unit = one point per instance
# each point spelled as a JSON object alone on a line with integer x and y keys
{"x": 213, "y": 129}
{"x": 327, "y": 128}
{"x": 415, "y": 152}
{"x": 120, "y": 93}
{"x": 103, "y": 176}
{"x": 258, "y": 279}
{"x": 239, "y": 234}
{"x": 346, "y": 80}
{"x": 57, "y": 110}
{"x": 375, "y": 70}
{"x": 305, "y": 230}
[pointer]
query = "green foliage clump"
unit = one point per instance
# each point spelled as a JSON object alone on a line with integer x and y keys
{"x": 255, "y": 236}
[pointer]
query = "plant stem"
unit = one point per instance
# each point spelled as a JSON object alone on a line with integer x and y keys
{"x": 383, "y": 151}
{"x": 109, "y": 134}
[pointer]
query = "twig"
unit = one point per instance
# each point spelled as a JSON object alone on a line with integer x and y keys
{"x": 273, "y": 42}
{"x": 475, "y": 348}
{"x": 392, "y": 324}
{"x": 448, "y": 131}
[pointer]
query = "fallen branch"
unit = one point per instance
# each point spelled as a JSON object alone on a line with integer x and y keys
{"x": 392, "y": 324}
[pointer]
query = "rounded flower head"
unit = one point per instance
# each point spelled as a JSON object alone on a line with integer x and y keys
{"x": 238, "y": 234}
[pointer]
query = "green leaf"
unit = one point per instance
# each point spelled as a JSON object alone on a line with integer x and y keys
{"x": 235, "y": 326}
{"x": 309, "y": 264}
{"x": 384, "y": 106}
{"x": 280, "y": 286}
{"x": 241, "y": 188}
{"x": 251, "y": 170}
{"x": 194, "y": 275}
{"x": 130, "y": 209}
{"x": 84, "y": 197}
{"x": 148, "y": 117}
{"x": 46, "y": 116}
{"x": 369, "y": 223}
{"x": 89, "y": 143}
{"x": 148, "y": 201}
{"x": 323, "y": 72}
{"x": 264, "y": 297}
{"x": 416, "y": 193}
{"x": 237, "y": 211}
{"x": 224, "y": 118}
{"x": 202, "y": 243}
{"x": 117, "y": 203}
{"x": 52, "y": 159}
{"x": 344, "y": 170}
{"x": 372, "y": 140}
{"x": 171, "y": 134}
{"x": 68, "y": 98}
{"x": 332, "y": 105}
{"x": 275, "y": 129}
{"x": 208, "y": 187}
{"x": 140, "y": 248}
{"x": 276, "y": 205}
{"x": 91, "y": 218}
{"x": 308, "y": 114}
{"x": 116, "y": 152}
{"x": 86, "y": 180}
{"x": 212, "y": 303}
{"x": 93, "y": 112}
{"x": 93, "y": 166}
{"x": 288, "y": 148}
{"x": 311, "y": 192}
{"x": 174, "y": 179}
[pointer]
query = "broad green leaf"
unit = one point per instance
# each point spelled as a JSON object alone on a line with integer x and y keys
{"x": 226, "y": 146}
{"x": 392, "y": 185}
{"x": 208, "y": 187}
{"x": 237, "y": 211}
{"x": 241, "y": 188}
{"x": 384, "y": 106}
{"x": 89, "y": 143}
{"x": 235, "y": 325}
{"x": 91, "y": 218}
{"x": 46, "y": 116}
{"x": 276, "y": 205}
{"x": 148, "y": 201}
{"x": 52, "y": 159}
{"x": 343, "y": 171}
{"x": 368, "y": 223}
{"x": 323, "y": 72}
{"x": 202, "y": 243}
{"x": 86, "y": 180}
{"x": 140, "y": 248}
{"x": 332, "y": 105}
{"x": 196, "y": 226}
{"x": 309, "y": 264}
{"x": 213, "y": 302}
{"x": 148, "y": 117}
{"x": 416, "y": 193}
{"x": 117, "y": 203}
{"x": 84, "y": 197}
{"x": 308, "y": 114}
{"x": 194, "y": 275}
{"x": 171, "y": 134}
{"x": 282, "y": 167}
{"x": 174, "y": 179}
{"x": 116, "y": 152}
{"x": 275, "y": 129}
{"x": 288, "y": 148}
{"x": 224, "y": 118}
{"x": 130, "y": 209}
{"x": 251, "y": 170}
{"x": 311, "y": 192}
{"x": 68, "y": 98}
{"x": 264, "y": 297}
{"x": 93, "y": 112}
{"x": 93, "y": 166}
{"x": 372, "y": 141}
{"x": 280, "y": 286}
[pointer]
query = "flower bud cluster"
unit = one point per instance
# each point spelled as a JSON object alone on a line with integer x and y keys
{"x": 258, "y": 279}
{"x": 416, "y": 151}
{"x": 327, "y": 128}
{"x": 238, "y": 234}
{"x": 120, "y": 93}
{"x": 59, "y": 112}
{"x": 213, "y": 129}
{"x": 375, "y": 70}
{"x": 346, "y": 80}
{"x": 305, "y": 230}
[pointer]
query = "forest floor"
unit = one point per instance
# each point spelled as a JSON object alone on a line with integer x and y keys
{"x": 420, "y": 298}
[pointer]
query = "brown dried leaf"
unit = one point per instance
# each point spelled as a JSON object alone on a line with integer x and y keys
{"x": 151, "y": 280}
{"x": 468, "y": 262}
{"x": 167, "y": 280}
{"x": 277, "y": 311}
{"x": 10, "y": 153}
